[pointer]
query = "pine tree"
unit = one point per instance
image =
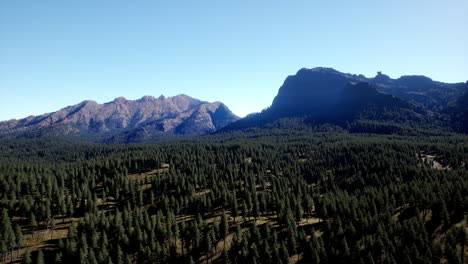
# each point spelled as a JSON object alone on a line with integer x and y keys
{"x": 27, "y": 257}
{"x": 244, "y": 210}
{"x": 39, "y": 257}
{"x": 7, "y": 233}
{"x": 224, "y": 228}
{"x": 284, "y": 254}
{"x": 315, "y": 256}
{"x": 33, "y": 222}
{"x": 275, "y": 254}
{"x": 234, "y": 208}
{"x": 120, "y": 256}
{"x": 83, "y": 254}
{"x": 226, "y": 259}
{"x": 58, "y": 257}
{"x": 3, "y": 250}
{"x": 92, "y": 257}
{"x": 197, "y": 236}
{"x": 19, "y": 239}
{"x": 209, "y": 244}
{"x": 344, "y": 247}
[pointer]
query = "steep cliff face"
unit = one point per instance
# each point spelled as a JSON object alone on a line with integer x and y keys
{"x": 310, "y": 92}
{"x": 178, "y": 115}
{"x": 324, "y": 95}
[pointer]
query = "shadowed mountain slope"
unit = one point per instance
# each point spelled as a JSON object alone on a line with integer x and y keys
{"x": 324, "y": 95}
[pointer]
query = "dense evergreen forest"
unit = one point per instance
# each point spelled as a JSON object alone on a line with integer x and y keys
{"x": 302, "y": 195}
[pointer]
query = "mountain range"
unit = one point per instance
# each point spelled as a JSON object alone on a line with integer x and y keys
{"x": 325, "y": 95}
{"x": 125, "y": 120}
{"x": 317, "y": 96}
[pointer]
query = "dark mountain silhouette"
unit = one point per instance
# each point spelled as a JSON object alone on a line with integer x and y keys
{"x": 310, "y": 92}
{"x": 435, "y": 96}
{"x": 310, "y": 89}
{"x": 362, "y": 101}
{"x": 324, "y": 95}
{"x": 126, "y": 120}
{"x": 459, "y": 113}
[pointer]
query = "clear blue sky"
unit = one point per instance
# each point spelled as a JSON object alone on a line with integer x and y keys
{"x": 58, "y": 53}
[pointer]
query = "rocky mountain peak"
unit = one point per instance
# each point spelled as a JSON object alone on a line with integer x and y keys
{"x": 119, "y": 100}
{"x": 148, "y": 98}
{"x": 382, "y": 78}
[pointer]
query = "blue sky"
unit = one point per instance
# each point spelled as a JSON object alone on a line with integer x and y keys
{"x": 58, "y": 53}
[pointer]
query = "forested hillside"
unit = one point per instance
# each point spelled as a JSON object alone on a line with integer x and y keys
{"x": 301, "y": 195}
